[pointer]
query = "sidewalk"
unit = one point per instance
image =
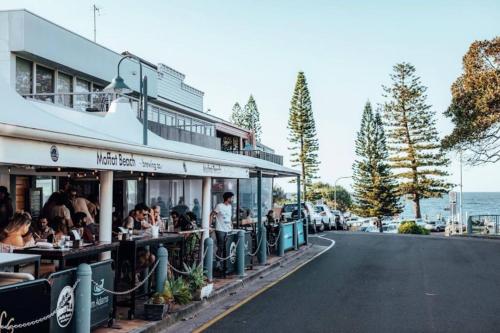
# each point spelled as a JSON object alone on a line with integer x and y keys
{"x": 229, "y": 290}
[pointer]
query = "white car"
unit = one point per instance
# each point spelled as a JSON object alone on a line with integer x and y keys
{"x": 391, "y": 228}
{"x": 435, "y": 226}
{"x": 372, "y": 228}
{"x": 326, "y": 215}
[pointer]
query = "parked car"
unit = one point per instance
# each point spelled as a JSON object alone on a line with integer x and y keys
{"x": 326, "y": 215}
{"x": 307, "y": 212}
{"x": 339, "y": 220}
{"x": 435, "y": 226}
{"x": 372, "y": 228}
{"x": 391, "y": 228}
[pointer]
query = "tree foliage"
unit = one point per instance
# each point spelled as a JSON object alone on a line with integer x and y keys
{"x": 248, "y": 117}
{"x": 279, "y": 195}
{"x": 302, "y": 134}
{"x": 475, "y": 105}
{"x": 325, "y": 191}
{"x": 413, "y": 142}
{"x": 374, "y": 184}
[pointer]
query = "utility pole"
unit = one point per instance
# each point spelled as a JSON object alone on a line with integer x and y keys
{"x": 96, "y": 11}
{"x": 461, "y": 193}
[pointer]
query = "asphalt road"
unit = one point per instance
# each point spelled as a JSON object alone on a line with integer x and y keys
{"x": 382, "y": 283}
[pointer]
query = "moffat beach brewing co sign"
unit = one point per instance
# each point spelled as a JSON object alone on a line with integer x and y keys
{"x": 111, "y": 159}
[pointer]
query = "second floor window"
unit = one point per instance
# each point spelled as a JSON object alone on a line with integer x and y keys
{"x": 64, "y": 89}
{"x": 82, "y": 97}
{"x": 24, "y": 76}
{"x": 44, "y": 83}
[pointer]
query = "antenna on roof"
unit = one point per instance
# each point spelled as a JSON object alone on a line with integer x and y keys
{"x": 97, "y": 10}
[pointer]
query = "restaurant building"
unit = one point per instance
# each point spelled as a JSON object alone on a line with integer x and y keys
{"x": 58, "y": 126}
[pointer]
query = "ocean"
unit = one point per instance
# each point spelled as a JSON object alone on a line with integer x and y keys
{"x": 474, "y": 203}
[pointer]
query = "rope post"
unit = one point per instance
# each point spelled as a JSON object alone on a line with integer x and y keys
{"x": 208, "y": 261}
{"x": 82, "y": 298}
{"x": 296, "y": 235}
{"x": 281, "y": 241}
{"x": 240, "y": 254}
{"x": 161, "y": 270}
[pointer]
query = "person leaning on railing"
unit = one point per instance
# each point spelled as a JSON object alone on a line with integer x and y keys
{"x": 223, "y": 223}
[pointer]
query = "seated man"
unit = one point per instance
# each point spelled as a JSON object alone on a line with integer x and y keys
{"x": 137, "y": 220}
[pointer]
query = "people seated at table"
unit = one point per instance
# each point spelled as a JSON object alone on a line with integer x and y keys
{"x": 181, "y": 207}
{"x": 16, "y": 233}
{"x": 60, "y": 229}
{"x": 270, "y": 219}
{"x": 87, "y": 228}
{"x": 82, "y": 205}
{"x": 137, "y": 220}
{"x": 43, "y": 230}
{"x": 155, "y": 216}
{"x": 6, "y": 210}
{"x": 181, "y": 221}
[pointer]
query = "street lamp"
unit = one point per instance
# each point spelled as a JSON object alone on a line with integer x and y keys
{"x": 118, "y": 86}
{"x": 335, "y": 189}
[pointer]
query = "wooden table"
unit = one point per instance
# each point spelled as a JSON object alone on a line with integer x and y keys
{"x": 62, "y": 255}
{"x": 18, "y": 259}
{"x": 128, "y": 250}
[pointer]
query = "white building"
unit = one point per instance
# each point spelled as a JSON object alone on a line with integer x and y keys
{"x": 58, "y": 126}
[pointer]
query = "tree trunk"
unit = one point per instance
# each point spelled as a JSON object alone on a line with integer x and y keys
{"x": 416, "y": 204}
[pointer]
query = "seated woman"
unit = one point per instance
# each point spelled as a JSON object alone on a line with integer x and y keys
{"x": 87, "y": 229}
{"x": 181, "y": 222}
{"x": 16, "y": 234}
{"x": 60, "y": 229}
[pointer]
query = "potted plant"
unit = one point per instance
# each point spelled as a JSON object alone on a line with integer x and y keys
{"x": 197, "y": 282}
{"x": 178, "y": 290}
{"x": 156, "y": 307}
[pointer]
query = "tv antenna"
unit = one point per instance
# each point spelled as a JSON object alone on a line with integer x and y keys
{"x": 97, "y": 10}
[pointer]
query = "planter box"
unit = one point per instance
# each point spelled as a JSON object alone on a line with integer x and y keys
{"x": 155, "y": 312}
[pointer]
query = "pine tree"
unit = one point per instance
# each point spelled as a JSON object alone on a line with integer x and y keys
{"x": 302, "y": 136}
{"x": 414, "y": 145}
{"x": 374, "y": 185}
{"x": 237, "y": 115}
{"x": 251, "y": 117}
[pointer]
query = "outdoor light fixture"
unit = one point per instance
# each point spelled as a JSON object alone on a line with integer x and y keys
{"x": 118, "y": 86}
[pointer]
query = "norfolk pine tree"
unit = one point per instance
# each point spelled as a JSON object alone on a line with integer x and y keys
{"x": 374, "y": 185}
{"x": 415, "y": 153}
{"x": 302, "y": 136}
{"x": 252, "y": 117}
{"x": 237, "y": 115}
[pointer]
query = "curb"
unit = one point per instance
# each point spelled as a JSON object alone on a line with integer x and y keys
{"x": 195, "y": 306}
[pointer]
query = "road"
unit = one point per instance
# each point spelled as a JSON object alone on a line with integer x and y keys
{"x": 382, "y": 283}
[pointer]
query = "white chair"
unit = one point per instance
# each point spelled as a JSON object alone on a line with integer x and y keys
{"x": 7, "y": 278}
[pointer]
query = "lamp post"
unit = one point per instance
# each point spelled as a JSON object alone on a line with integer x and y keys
{"x": 118, "y": 86}
{"x": 335, "y": 189}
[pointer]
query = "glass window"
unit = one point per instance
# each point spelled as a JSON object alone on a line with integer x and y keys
{"x": 181, "y": 122}
{"x": 64, "y": 87}
{"x": 24, "y": 76}
{"x": 163, "y": 118}
{"x": 97, "y": 87}
{"x": 82, "y": 96}
{"x": 170, "y": 120}
{"x": 44, "y": 83}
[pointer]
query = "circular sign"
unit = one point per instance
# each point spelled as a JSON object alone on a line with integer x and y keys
{"x": 54, "y": 153}
{"x": 232, "y": 252}
{"x": 65, "y": 306}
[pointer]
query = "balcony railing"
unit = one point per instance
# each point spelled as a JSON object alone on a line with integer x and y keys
{"x": 270, "y": 157}
{"x": 168, "y": 125}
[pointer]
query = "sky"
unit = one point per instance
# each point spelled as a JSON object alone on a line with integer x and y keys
{"x": 230, "y": 49}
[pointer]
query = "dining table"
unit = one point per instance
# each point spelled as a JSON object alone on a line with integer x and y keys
{"x": 62, "y": 255}
{"x": 16, "y": 260}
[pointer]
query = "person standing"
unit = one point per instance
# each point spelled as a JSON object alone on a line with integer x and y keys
{"x": 6, "y": 209}
{"x": 223, "y": 213}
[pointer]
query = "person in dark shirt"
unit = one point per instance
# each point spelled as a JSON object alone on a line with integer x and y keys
{"x": 6, "y": 210}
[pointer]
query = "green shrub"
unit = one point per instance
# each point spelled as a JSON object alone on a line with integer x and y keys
{"x": 179, "y": 290}
{"x": 195, "y": 277}
{"x": 410, "y": 227}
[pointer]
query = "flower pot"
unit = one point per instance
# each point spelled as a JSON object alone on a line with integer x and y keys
{"x": 204, "y": 292}
{"x": 155, "y": 312}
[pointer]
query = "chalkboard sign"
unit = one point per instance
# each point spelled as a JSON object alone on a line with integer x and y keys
{"x": 36, "y": 202}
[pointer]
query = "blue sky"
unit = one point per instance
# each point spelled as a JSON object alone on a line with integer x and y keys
{"x": 230, "y": 49}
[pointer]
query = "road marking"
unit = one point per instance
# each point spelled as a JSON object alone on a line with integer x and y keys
{"x": 257, "y": 293}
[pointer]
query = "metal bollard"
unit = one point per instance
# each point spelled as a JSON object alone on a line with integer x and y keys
{"x": 296, "y": 235}
{"x": 208, "y": 261}
{"x": 240, "y": 254}
{"x": 161, "y": 270}
{"x": 262, "y": 254}
{"x": 82, "y": 298}
{"x": 281, "y": 241}
{"x": 306, "y": 231}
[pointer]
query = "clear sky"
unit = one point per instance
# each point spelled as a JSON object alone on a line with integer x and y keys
{"x": 230, "y": 49}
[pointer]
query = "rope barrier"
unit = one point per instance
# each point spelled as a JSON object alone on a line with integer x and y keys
{"x": 230, "y": 255}
{"x": 276, "y": 241}
{"x": 130, "y": 290}
{"x": 39, "y": 320}
{"x": 258, "y": 247}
